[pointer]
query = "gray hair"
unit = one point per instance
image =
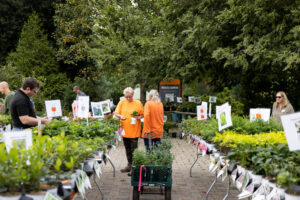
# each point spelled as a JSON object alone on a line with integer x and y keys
{"x": 154, "y": 96}
{"x": 128, "y": 90}
{"x": 4, "y": 84}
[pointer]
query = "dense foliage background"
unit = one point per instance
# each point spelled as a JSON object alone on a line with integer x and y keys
{"x": 251, "y": 47}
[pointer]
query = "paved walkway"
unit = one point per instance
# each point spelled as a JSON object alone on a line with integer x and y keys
{"x": 184, "y": 187}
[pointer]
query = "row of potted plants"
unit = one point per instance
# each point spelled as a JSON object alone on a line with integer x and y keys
{"x": 264, "y": 153}
{"x": 207, "y": 129}
{"x": 54, "y": 154}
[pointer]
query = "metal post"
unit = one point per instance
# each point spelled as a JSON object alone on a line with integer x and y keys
{"x": 194, "y": 163}
{"x": 114, "y": 169}
{"x": 211, "y": 186}
{"x": 102, "y": 195}
{"x": 228, "y": 189}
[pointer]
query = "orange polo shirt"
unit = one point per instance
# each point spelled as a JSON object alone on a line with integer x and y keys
{"x": 153, "y": 118}
{"x": 125, "y": 108}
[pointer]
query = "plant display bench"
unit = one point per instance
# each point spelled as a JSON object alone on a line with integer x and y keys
{"x": 153, "y": 175}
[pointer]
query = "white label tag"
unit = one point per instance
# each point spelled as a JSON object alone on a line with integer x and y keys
{"x": 97, "y": 169}
{"x": 51, "y": 197}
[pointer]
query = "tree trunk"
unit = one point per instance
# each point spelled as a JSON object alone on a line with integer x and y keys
{"x": 143, "y": 90}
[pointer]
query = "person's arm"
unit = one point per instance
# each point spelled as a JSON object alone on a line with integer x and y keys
{"x": 32, "y": 121}
{"x": 118, "y": 111}
{"x": 119, "y": 116}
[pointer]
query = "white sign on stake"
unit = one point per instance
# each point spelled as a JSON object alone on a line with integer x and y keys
{"x": 191, "y": 99}
{"x": 97, "y": 109}
{"x": 198, "y": 100}
{"x": 75, "y": 108}
{"x": 291, "y": 126}
{"x": 105, "y": 106}
{"x": 212, "y": 99}
{"x": 83, "y": 106}
{"x": 202, "y": 111}
{"x": 179, "y": 99}
{"x": 17, "y": 139}
{"x": 260, "y": 113}
{"x": 224, "y": 116}
{"x": 53, "y": 108}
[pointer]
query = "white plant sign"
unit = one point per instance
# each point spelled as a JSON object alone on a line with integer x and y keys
{"x": 17, "y": 139}
{"x": 224, "y": 116}
{"x": 198, "y": 100}
{"x": 105, "y": 106}
{"x": 83, "y": 106}
{"x": 191, "y": 99}
{"x": 53, "y": 108}
{"x": 179, "y": 99}
{"x": 260, "y": 113}
{"x": 212, "y": 99}
{"x": 75, "y": 108}
{"x": 291, "y": 126}
{"x": 202, "y": 111}
{"x": 97, "y": 109}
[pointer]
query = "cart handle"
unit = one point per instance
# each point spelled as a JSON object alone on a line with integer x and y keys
{"x": 140, "y": 179}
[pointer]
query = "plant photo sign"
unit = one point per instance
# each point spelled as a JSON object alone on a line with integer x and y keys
{"x": 53, "y": 108}
{"x": 202, "y": 111}
{"x": 179, "y": 99}
{"x": 105, "y": 106}
{"x": 212, "y": 99}
{"x": 83, "y": 106}
{"x": 17, "y": 139}
{"x": 260, "y": 113}
{"x": 97, "y": 109}
{"x": 291, "y": 126}
{"x": 224, "y": 116}
{"x": 191, "y": 99}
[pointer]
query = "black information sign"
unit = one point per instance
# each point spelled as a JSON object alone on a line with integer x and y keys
{"x": 169, "y": 93}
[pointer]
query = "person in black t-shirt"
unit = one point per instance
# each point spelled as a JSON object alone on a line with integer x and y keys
{"x": 22, "y": 112}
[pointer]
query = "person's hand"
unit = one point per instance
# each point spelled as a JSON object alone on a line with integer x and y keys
{"x": 122, "y": 117}
{"x": 45, "y": 120}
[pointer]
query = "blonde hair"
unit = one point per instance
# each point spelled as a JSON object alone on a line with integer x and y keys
{"x": 154, "y": 96}
{"x": 128, "y": 90}
{"x": 285, "y": 100}
{"x": 4, "y": 84}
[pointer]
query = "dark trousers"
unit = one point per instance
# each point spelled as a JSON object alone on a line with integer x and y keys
{"x": 130, "y": 145}
{"x": 154, "y": 141}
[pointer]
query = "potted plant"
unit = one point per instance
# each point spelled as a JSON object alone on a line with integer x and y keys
{"x": 134, "y": 116}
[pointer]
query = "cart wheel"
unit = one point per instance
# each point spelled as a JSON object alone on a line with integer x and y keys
{"x": 135, "y": 194}
{"x": 168, "y": 193}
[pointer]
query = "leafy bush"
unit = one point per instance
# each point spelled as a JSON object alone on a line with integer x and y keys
{"x": 233, "y": 139}
{"x": 159, "y": 155}
{"x": 105, "y": 129}
{"x": 23, "y": 169}
{"x": 271, "y": 160}
{"x": 5, "y": 120}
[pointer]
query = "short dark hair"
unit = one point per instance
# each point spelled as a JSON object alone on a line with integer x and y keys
{"x": 31, "y": 83}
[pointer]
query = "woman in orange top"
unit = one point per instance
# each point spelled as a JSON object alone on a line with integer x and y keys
{"x": 131, "y": 131}
{"x": 153, "y": 119}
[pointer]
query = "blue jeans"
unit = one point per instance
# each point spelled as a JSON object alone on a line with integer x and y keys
{"x": 154, "y": 142}
{"x": 17, "y": 129}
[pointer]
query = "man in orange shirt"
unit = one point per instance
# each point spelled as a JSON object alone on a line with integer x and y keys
{"x": 153, "y": 119}
{"x": 131, "y": 127}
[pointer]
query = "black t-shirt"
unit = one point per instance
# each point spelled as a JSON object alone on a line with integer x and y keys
{"x": 21, "y": 106}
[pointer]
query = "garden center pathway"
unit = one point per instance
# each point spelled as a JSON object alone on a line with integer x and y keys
{"x": 184, "y": 187}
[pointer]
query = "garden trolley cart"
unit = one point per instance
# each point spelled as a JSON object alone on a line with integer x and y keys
{"x": 151, "y": 175}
